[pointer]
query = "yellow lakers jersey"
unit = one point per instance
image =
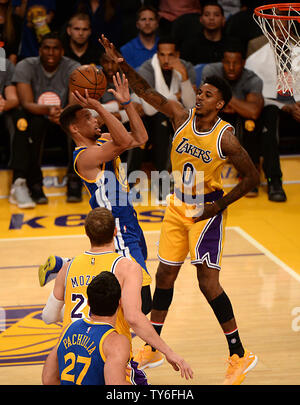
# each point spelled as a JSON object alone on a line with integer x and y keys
{"x": 197, "y": 157}
{"x": 82, "y": 269}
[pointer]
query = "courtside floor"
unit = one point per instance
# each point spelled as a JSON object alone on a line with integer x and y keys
{"x": 260, "y": 273}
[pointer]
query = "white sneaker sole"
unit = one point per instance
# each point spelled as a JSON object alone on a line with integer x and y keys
{"x": 12, "y": 200}
{"x": 244, "y": 374}
{"x": 252, "y": 365}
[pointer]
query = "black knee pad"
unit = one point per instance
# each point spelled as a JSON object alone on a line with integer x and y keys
{"x": 146, "y": 299}
{"x": 162, "y": 299}
{"x": 222, "y": 308}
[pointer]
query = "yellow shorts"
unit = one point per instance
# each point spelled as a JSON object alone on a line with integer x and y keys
{"x": 147, "y": 280}
{"x": 180, "y": 235}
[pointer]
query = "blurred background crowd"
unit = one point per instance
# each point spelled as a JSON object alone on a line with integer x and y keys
{"x": 173, "y": 45}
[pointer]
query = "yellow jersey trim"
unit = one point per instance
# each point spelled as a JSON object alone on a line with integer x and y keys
{"x": 82, "y": 177}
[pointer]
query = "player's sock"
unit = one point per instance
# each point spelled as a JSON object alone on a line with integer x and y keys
{"x": 59, "y": 262}
{"x": 65, "y": 259}
{"x": 222, "y": 308}
{"x": 158, "y": 327}
{"x": 162, "y": 299}
{"x": 234, "y": 343}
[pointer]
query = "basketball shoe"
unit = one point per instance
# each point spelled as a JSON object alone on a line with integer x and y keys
{"x": 146, "y": 358}
{"x": 49, "y": 269}
{"x": 239, "y": 367}
{"x": 19, "y": 194}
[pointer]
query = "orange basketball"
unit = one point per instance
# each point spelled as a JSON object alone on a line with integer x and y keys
{"x": 88, "y": 77}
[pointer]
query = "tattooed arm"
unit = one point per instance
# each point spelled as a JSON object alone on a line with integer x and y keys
{"x": 244, "y": 166}
{"x": 171, "y": 108}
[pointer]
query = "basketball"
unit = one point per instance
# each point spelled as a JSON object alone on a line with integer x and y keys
{"x": 88, "y": 77}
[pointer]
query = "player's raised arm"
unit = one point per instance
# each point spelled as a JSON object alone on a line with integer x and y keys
{"x": 122, "y": 95}
{"x": 80, "y": 124}
{"x": 118, "y": 132}
{"x": 171, "y": 108}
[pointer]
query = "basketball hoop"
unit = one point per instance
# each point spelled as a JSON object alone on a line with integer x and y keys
{"x": 280, "y": 23}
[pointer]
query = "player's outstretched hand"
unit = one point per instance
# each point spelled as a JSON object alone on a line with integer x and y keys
{"x": 121, "y": 91}
{"x": 179, "y": 364}
{"x": 110, "y": 49}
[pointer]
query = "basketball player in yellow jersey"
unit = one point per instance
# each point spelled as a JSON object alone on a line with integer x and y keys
{"x": 202, "y": 143}
{"x": 74, "y": 277}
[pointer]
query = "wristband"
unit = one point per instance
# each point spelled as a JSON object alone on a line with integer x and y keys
{"x": 126, "y": 102}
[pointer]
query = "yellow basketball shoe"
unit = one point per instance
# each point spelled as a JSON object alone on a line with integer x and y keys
{"x": 146, "y": 358}
{"x": 239, "y": 367}
{"x": 49, "y": 269}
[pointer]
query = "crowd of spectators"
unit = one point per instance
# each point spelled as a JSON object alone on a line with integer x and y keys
{"x": 172, "y": 44}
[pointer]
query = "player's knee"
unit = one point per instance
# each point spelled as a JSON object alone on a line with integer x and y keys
{"x": 208, "y": 284}
{"x": 166, "y": 275}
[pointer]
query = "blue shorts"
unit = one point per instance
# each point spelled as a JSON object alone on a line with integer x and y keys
{"x": 133, "y": 246}
{"x": 130, "y": 239}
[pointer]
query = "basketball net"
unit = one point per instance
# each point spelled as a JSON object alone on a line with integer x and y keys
{"x": 280, "y": 23}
